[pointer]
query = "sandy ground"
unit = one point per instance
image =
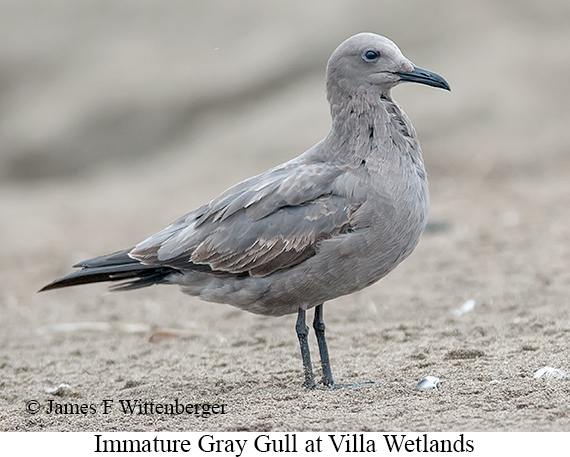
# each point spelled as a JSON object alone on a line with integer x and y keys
{"x": 136, "y": 122}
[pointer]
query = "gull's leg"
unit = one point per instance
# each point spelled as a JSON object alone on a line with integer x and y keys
{"x": 319, "y": 326}
{"x": 328, "y": 382}
{"x": 302, "y": 334}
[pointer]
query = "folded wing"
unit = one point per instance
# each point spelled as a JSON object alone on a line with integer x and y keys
{"x": 270, "y": 222}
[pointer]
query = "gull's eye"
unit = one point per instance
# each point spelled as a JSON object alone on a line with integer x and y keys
{"x": 371, "y": 55}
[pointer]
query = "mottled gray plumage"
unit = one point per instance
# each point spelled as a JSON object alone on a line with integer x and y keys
{"x": 330, "y": 222}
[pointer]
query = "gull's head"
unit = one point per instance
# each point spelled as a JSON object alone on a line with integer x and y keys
{"x": 366, "y": 61}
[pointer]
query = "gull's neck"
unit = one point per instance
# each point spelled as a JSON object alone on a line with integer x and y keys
{"x": 371, "y": 125}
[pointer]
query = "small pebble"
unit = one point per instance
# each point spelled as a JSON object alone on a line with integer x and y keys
{"x": 427, "y": 383}
{"x": 61, "y": 390}
{"x": 469, "y": 305}
{"x": 550, "y": 373}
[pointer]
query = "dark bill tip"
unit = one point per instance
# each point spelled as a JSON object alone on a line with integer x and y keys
{"x": 421, "y": 76}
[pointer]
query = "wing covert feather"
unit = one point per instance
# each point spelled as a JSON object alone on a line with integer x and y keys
{"x": 267, "y": 223}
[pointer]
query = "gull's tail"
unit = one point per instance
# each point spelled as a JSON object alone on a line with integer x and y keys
{"x": 114, "y": 267}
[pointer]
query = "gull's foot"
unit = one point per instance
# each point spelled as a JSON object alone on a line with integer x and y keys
{"x": 336, "y": 386}
{"x": 309, "y": 385}
{"x": 353, "y": 385}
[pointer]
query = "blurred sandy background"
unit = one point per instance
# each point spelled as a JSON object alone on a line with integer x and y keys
{"x": 118, "y": 117}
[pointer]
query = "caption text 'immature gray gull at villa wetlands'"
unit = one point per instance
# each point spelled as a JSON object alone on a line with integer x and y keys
{"x": 330, "y": 222}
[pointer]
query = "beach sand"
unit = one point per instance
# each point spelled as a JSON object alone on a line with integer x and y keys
{"x": 101, "y": 152}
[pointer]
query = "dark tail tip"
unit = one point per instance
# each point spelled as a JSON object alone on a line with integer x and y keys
{"x": 134, "y": 275}
{"x": 50, "y": 286}
{"x": 84, "y": 276}
{"x": 69, "y": 280}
